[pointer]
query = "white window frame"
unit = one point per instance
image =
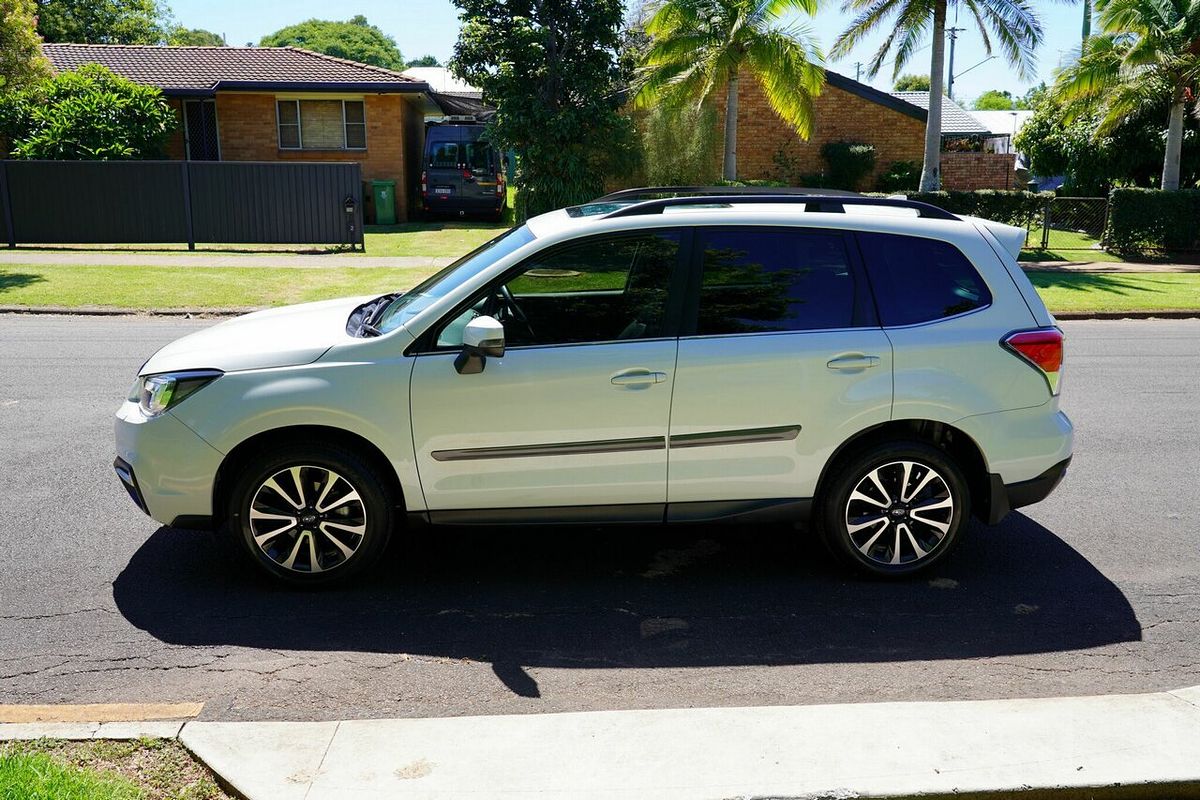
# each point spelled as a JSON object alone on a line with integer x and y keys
{"x": 300, "y": 122}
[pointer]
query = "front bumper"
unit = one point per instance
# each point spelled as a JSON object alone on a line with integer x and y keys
{"x": 167, "y": 469}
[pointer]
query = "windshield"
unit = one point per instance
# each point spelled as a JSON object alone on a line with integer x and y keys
{"x": 434, "y": 288}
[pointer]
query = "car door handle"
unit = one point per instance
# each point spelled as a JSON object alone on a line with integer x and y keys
{"x": 853, "y": 362}
{"x": 637, "y": 377}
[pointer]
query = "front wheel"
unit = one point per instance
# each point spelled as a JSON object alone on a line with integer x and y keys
{"x": 312, "y": 515}
{"x": 895, "y": 509}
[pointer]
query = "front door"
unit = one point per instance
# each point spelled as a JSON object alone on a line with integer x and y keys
{"x": 782, "y": 361}
{"x": 575, "y": 413}
{"x": 200, "y": 128}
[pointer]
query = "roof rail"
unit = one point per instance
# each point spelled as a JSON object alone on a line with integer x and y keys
{"x": 825, "y": 203}
{"x": 658, "y": 192}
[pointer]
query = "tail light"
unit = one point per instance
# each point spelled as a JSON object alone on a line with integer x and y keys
{"x": 424, "y": 182}
{"x": 1042, "y": 349}
{"x": 499, "y": 184}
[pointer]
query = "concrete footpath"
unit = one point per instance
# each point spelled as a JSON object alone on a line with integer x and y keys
{"x": 1135, "y": 742}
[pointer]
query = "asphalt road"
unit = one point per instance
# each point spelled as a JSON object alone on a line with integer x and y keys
{"x": 1096, "y": 590}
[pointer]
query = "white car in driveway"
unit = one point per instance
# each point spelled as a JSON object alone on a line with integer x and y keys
{"x": 880, "y": 368}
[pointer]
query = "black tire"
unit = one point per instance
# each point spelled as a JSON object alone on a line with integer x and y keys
{"x": 871, "y": 547}
{"x": 327, "y": 534}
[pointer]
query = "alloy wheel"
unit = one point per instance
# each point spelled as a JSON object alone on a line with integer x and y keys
{"x": 307, "y": 519}
{"x": 899, "y": 513}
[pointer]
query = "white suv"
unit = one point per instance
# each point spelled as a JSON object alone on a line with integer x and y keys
{"x": 880, "y": 368}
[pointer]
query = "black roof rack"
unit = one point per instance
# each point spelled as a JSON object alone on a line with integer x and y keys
{"x": 659, "y": 192}
{"x": 823, "y": 202}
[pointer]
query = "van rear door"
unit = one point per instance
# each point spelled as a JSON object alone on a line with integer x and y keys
{"x": 443, "y": 165}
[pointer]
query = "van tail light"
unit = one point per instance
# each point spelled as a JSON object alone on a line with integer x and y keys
{"x": 499, "y": 184}
{"x": 1041, "y": 348}
{"x": 424, "y": 182}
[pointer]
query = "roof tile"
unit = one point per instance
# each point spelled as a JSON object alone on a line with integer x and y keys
{"x": 197, "y": 69}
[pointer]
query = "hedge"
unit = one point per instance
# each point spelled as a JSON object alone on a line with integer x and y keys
{"x": 1151, "y": 219}
{"x": 1013, "y": 208}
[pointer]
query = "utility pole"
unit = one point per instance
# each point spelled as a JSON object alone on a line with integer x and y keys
{"x": 953, "y": 34}
{"x": 857, "y": 70}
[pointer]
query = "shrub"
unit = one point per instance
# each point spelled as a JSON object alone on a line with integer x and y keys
{"x": 680, "y": 145}
{"x": 901, "y": 176}
{"x": 1151, "y": 219}
{"x": 1012, "y": 208}
{"x": 88, "y": 114}
{"x": 849, "y": 163}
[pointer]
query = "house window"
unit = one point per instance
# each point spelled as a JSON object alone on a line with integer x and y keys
{"x": 322, "y": 124}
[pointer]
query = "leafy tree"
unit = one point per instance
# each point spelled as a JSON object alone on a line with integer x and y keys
{"x": 699, "y": 47}
{"x": 994, "y": 100}
{"x": 1059, "y": 141}
{"x": 1012, "y": 23}
{"x": 87, "y": 114}
{"x": 21, "y": 60}
{"x": 356, "y": 40}
{"x": 1147, "y": 53}
{"x": 911, "y": 83}
{"x": 553, "y": 70}
{"x": 101, "y": 21}
{"x": 194, "y": 37}
{"x": 424, "y": 61}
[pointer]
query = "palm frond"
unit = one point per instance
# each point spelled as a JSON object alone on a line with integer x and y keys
{"x": 789, "y": 67}
{"x": 871, "y": 14}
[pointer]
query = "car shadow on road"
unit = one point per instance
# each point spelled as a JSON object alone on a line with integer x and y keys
{"x": 637, "y": 597}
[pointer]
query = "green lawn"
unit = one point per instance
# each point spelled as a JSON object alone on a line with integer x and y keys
{"x": 148, "y": 288}
{"x": 435, "y": 239}
{"x": 1129, "y": 291}
{"x": 145, "y": 769}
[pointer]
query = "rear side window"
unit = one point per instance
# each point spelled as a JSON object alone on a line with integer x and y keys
{"x": 762, "y": 280}
{"x": 920, "y": 280}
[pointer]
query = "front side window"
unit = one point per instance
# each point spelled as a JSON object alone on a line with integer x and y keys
{"x": 920, "y": 280}
{"x": 599, "y": 290}
{"x": 764, "y": 280}
{"x": 321, "y": 124}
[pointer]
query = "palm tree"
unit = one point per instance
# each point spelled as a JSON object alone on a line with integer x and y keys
{"x": 1148, "y": 52}
{"x": 699, "y": 47}
{"x": 1012, "y": 23}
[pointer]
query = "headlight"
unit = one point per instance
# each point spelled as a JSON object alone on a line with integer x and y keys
{"x": 154, "y": 394}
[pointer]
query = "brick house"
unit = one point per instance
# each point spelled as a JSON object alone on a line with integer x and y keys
{"x": 967, "y": 168}
{"x": 847, "y": 110}
{"x": 276, "y": 104}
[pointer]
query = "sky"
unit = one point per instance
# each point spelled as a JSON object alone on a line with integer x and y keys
{"x": 431, "y": 26}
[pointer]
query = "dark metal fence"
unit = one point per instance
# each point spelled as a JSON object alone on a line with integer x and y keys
{"x": 1069, "y": 223}
{"x": 128, "y": 202}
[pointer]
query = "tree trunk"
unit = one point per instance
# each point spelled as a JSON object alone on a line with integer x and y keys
{"x": 1087, "y": 21}
{"x": 1170, "y": 173}
{"x": 729, "y": 169}
{"x": 931, "y": 172}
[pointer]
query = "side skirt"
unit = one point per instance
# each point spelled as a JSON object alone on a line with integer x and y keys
{"x": 732, "y": 511}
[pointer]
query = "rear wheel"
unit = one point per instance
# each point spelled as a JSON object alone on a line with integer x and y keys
{"x": 895, "y": 509}
{"x": 312, "y": 515}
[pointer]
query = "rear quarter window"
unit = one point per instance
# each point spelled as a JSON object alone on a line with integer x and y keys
{"x": 920, "y": 280}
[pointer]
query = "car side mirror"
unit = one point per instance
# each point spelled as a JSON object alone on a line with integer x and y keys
{"x": 483, "y": 337}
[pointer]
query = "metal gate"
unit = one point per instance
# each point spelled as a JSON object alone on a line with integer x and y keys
{"x": 130, "y": 202}
{"x": 1069, "y": 223}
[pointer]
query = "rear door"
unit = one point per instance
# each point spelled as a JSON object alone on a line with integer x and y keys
{"x": 782, "y": 361}
{"x": 481, "y": 163}
{"x": 443, "y": 164}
